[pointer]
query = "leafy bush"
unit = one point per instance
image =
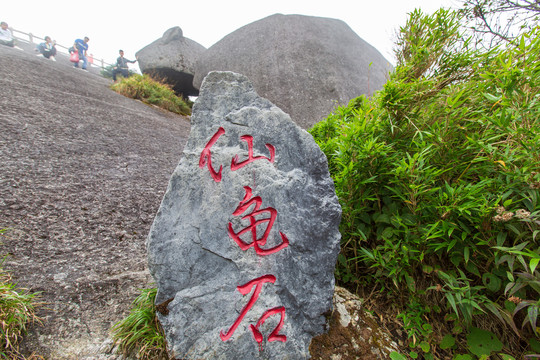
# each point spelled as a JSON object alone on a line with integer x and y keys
{"x": 438, "y": 176}
{"x": 17, "y": 310}
{"x": 151, "y": 91}
{"x": 140, "y": 333}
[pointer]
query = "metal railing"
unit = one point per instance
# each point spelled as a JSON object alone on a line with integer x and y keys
{"x": 31, "y": 37}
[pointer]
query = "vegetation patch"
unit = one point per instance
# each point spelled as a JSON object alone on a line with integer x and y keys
{"x": 17, "y": 310}
{"x": 140, "y": 333}
{"x": 438, "y": 176}
{"x": 152, "y": 91}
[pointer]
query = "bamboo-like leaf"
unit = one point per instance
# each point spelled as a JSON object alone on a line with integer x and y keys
{"x": 532, "y": 312}
{"x": 452, "y": 302}
{"x": 521, "y": 305}
{"x": 533, "y": 264}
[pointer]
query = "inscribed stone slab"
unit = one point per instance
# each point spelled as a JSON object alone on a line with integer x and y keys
{"x": 245, "y": 242}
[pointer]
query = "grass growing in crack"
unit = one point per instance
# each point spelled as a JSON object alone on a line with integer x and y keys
{"x": 17, "y": 310}
{"x": 140, "y": 333}
{"x": 152, "y": 91}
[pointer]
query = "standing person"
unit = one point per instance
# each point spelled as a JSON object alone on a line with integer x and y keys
{"x": 47, "y": 48}
{"x": 82, "y": 47}
{"x": 122, "y": 66}
{"x": 6, "y": 37}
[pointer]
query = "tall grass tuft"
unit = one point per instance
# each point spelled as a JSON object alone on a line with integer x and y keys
{"x": 17, "y": 310}
{"x": 152, "y": 91}
{"x": 140, "y": 333}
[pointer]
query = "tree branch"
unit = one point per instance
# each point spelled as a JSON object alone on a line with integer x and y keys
{"x": 481, "y": 15}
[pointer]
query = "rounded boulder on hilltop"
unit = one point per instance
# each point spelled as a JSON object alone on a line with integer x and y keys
{"x": 172, "y": 58}
{"x": 303, "y": 64}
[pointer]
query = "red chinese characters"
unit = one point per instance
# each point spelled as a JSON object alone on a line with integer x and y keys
{"x": 247, "y": 237}
{"x": 244, "y": 290}
{"x": 274, "y": 335}
{"x": 206, "y": 155}
{"x": 256, "y": 243}
{"x": 235, "y": 165}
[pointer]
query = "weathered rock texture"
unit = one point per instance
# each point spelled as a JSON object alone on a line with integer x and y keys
{"x": 195, "y": 260}
{"x": 172, "y": 58}
{"x": 83, "y": 171}
{"x": 303, "y": 64}
{"x": 354, "y": 333}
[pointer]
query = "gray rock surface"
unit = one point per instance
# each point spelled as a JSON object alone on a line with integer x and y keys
{"x": 303, "y": 64}
{"x": 199, "y": 266}
{"x": 172, "y": 58}
{"x": 84, "y": 170}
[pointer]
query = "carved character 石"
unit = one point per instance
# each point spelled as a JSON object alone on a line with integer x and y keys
{"x": 246, "y": 289}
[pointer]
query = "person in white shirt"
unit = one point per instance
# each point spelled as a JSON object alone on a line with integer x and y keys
{"x": 6, "y": 37}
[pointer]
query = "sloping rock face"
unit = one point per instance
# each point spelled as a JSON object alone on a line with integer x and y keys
{"x": 303, "y": 64}
{"x": 244, "y": 245}
{"x": 83, "y": 172}
{"x": 172, "y": 58}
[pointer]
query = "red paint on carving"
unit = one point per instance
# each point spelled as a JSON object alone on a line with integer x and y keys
{"x": 206, "y": 156}
{"x": 235, "y": 165}
{"x": 274, "y": 335}
{"x": 244, "y": 290}
{"x": 256, "y": 243}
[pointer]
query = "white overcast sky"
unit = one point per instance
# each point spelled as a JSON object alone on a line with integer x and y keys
{"x": 131, "y": 25}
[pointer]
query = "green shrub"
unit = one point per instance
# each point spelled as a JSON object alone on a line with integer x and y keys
{"x": 140, "y": 333}
{"x": 17, "y": 310}
{"x": 438, "y": 176}
{"x": 151, "y": 91}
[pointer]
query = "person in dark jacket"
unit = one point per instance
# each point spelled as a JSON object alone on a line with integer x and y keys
{"x": 122, "y": 66}
{"x": 47, "y": 48}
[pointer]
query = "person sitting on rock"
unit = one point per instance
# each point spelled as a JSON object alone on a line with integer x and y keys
{"x": 47, "y": 48}
{"x": 122, "y": 66}
{"x": 81, "y": 45}
{"x": 6, "y": 37}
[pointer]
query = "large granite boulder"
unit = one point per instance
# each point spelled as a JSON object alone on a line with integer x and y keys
{"x": 244, "y": 245}
{"x": 172, "y": 58}
{"x": 303, "y": 64}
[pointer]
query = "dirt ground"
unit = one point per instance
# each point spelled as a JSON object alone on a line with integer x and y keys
{"x": 82, "y": 174}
